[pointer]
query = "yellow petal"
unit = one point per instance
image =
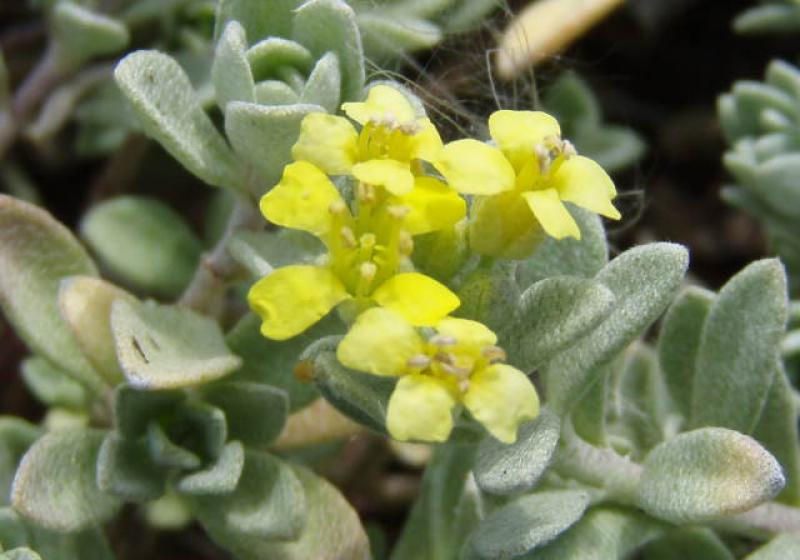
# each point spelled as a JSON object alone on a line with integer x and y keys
{"x": 327, "y": 141}
{"x": 582, "y": 181}
{"x": 503, "y": 226}
{"x": 420, "y": 409}
{"x": 426, "y": 144}
{"x": 379, "y": 342}
{"x": 470, "y": 334}
{"x": 394, "y": 175}
{"x": 501, "y": 398}
{"x": 552, "y": 214}
{"x": 472, "y": 167}
{"x": 421, "y": 300}
{"x": 383, "y": 103}
{"x": 293, "y": 298}
{"x": 302, "y": 200}
{"x": 433, "y": 207}
{"x": 518, "y": 132}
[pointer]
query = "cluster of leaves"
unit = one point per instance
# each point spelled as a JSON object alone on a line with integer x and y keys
{"x": 770, "y": 17}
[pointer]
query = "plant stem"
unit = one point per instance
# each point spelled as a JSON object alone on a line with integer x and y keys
{"x": 217, "y": 269}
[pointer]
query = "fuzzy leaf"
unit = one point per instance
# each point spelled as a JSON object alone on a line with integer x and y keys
{"x": 324, "y": 84}
{"x": 260, "y": 18}
{"x": 390, "y": 34}
{"x": 166, "y": 347}
{"x": 36, "y": 252}
{"x": 330, "y": 25}
{"x": 16, "y": 436}
{"x": 679, "y": 343}
{"x": 527, "y": 523}
{"x": 508, "y": 469}
{"x": 643, "y": 281}
{"x": 263, "y": 251}
{"x": 490, "y": 295}
{"x": 554, "y": 313}
{"x": 230, "y": 72}
{"x": 51, "y": 386}
{"x": 255, "y": 413}
{"x": 781, "y": 547}
{"x": 220, "y": 478}
{"x": 134, "y": 408}
{"x": 740, "y": 340}
{"x": 269, "y": 56}
{"x": 165, "y": 102}
{"x": 144, "y": 243}
{"x": 706, "y": 474}
{"x": 263, "y": 136}
{"x": 125, "y": 469}
{"x": 692, "y": 543}
{"x": 56, "y": 485}
{"x": 82, "y": 34}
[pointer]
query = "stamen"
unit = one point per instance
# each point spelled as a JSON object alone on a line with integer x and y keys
{"x": 420, "y": 361}
{"x": 366, "y": 193}
{"x": 494, "y": 354}
{"x": 456, "y": 370}
{"x": 337, "y": 207}
{"x": 568, "y": 149}
{"x": 367, "y": 241}
{"x": 406, "y": 243}
{"x": 349, "y": 237}
{"x": 463, "y": 385}
{"x": 398, "y": 211}
{"x": 368, "y": 271}
{"x": 442, "y": 340}
{"x": 410, "y": 128}
{"x": 543, "y": 158}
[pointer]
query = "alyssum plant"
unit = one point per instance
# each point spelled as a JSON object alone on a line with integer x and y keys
{"x": 427, "y": 290}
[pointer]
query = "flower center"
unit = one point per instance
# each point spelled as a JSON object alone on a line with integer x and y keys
{"x": 549, "y": 155}
{"x": 445, "y": 358}
{"x": 387, "y": 138}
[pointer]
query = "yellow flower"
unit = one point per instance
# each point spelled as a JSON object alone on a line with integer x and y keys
{"x": 385, "y": 153}
{"x": 521, "y": 185}
{"x": 458, "y": 364}
{"x": 368, "y": 250}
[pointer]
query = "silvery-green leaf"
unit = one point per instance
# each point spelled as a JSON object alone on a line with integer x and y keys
{"x": 528, "y": 522}
{"x": 219, "y": 478}
{"x": 230, "y": 73}
{"x": 692, "y": 543}
{"x": 268, "y": 503}
{"x": 740, "y": 339}
{"x": 432, "y": 529}
{"x": 168, "y": 454}
{"x": 782, "y": 547}
{"x": 571, "y": 101}
{"x": 707, "y": 474}
{"x": 391, "y": 34}
{"x": 777, "y": 431}
{"x": 16, "y": 436}
{"x": 263, "y": 136}
{"x": 604, "y": 533}
{"x": 768, "y": 18}
{"x": 163, "y": 98}
{"x": 679, "y": 343}
{"x": 465, "y": 15}
{"x": 144, "y": 243}
{"x": 553, "y": 313}
{"x": 260, "y": 18}
{"x": 56, "y": 485}
{"x": 125, "y": 470}
{"x": 36, "y": 252}
{"x": 82, "y": 34}
{"x": 169, "y": 512}
{"x": 568, "y": 257}
{"x": 324, "y": 85}
{"x": 52, "y": 386}
{"x": 268, "y": 56}
{"x": 778, "y": 177}
{"x": 489, "y": 294}
{"x": 135, "y": 408}
{"x": 785, "y": 76}
{"x": 613, "y": 147}
{"x": 590, "y": 414}
{"x": 255, "y": 413}
{"x": 330, "y": 25}
{"x": 263, "y": 251}
{"x": 507, "y": 469}
{"x": 275, "y": 92}
{"x": 200, "y": 427}
{"x": 643, "y": 281}
{"x": 166, "y": 347}
{"x": 85, "y": 303}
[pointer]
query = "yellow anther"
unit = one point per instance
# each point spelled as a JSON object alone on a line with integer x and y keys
{"x": 367, "y": 241}
{"x": 398, "y": 211}
{"x": 463, "y": 385}
{"x": 337, "y": 207}
{"x": 568, "y": 149}
{"x": 420, "y": 361}
{"x": 455, "y": 370}
{"x": 494, "y": 354}
{"x": 368, "y": 270}
{"x": 442, "y": 340}
{"x": 348, "y": 236}
{"x": 406, "y": 243}
{"x": 366, "y": 193}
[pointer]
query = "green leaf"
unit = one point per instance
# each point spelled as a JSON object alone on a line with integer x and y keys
{"x": 433, "y": 530}
{"x": 268, "y": 503}
{"x": 260, "y": 18}
{"x": 125, "y": 469}
{"x": 36, "y": 252}
{"x": 643, "y": 280}
{"x": 144, "y": 243}
{"x": 263, "y": 136}
{"x": 693, "y": 543}
{"x": 166, "y": 347}
{"x": 554, "y": 313}
{"x": 780, "y": 548}
{"x": 604, "y": 533}
{"x": 706, "y": 474}
{"x": 590, "y": 414}
{"x": 200, "y": 427}
{"x": 679, "y": 343}
{"x": 23, "y": 553}
{"x": 134, "y": 408}
{"x": 82, "y": 34}
{"x": 508, "y": 469}
{"x": 165, "y": 102}
{"x": 324, "y": 84}
{"x": 168, "y": 454}
{"x": 255, "y": 413}
{"x": 274, "y": 92}
{"x": 568, "y": 257}
{"x": 489, "y": 294}
{"x": 740, "y": 340}
{"x": 85, "y": 303}
{"x": 527, "y": 523}
{"x": 768, "y": 18}
{"x": 330, "y": 25}
{"x": 230, "y": 72}
{"x": 387, "y": 35}
{"x": 220, "y": 478}
{"x": 56, "y": 485}
{"x": 52, "y": 386}
{"x": 263, "y": 251}
{"x": 16, "y": 436}
{"x": 269, "y": 56}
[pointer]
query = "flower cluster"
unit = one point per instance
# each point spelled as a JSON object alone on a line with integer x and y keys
{"x": 366, "y": 193}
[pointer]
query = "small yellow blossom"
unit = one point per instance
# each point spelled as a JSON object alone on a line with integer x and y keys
{"x": 368, "y": 249}
{"x": 386, "y": 152}
{"x": 458, "y": 364}
{"x": 521, "y": 185}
